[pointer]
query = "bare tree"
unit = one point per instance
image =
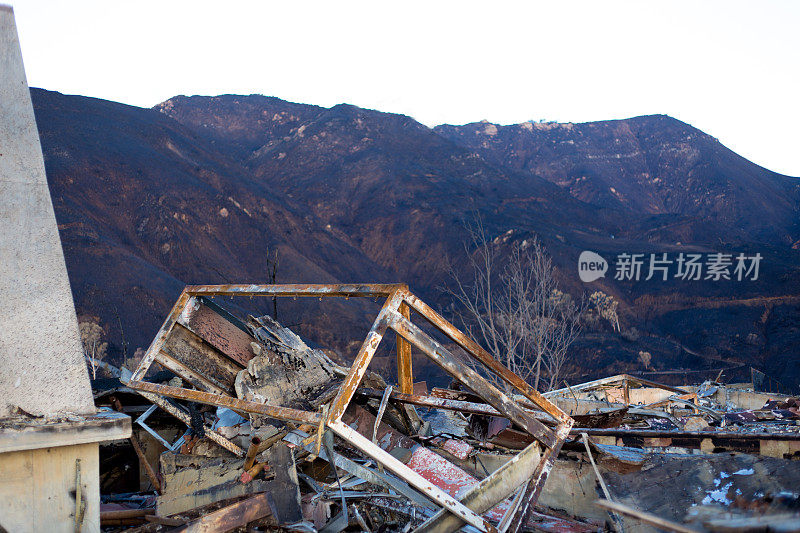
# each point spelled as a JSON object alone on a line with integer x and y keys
{"x": 272, "y": 274}
{"x": 94, "y": 347}
{"x": 516, "y": 308}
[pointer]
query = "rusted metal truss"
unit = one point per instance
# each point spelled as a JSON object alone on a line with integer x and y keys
{"x": 526, "y": 478}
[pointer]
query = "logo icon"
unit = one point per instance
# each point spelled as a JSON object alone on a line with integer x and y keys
{"x": 591, "y": 266}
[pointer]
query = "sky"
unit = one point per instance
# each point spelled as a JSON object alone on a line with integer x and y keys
{"x": 730, "y": 68}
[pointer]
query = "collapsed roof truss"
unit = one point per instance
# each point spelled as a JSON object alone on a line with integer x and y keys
{"x": 526, "y": 473}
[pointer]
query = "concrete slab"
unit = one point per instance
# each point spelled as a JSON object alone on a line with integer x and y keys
{"x": 42, "y": 370}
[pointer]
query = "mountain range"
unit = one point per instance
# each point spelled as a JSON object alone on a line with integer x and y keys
{"x": 208, "y": 189}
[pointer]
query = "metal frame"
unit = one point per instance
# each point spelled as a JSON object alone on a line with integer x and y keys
{"x": 396, "y": 315}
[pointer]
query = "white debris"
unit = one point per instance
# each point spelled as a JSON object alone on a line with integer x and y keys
{"x": 719, "y": 495}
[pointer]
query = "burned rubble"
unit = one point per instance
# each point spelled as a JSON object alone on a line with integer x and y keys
{"x": 252, "y": 427}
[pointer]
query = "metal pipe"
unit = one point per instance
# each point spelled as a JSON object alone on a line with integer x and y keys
{"x": 281, "y": 413}
{"x": 252, "y": 451}
{"x": 297, "y": 289}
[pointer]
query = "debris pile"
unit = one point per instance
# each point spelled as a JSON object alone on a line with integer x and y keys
{"x": 248, "y": 425}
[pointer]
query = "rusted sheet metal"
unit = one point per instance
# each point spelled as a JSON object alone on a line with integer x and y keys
{"x": 405, "y": 377}
{"x": 491, "y": 394}
{"x": 489, "y": 492}
{"x": 448, "y": 477}
{"x": 192, "y": 352}
{"x": 296, "y": 289}
{"x": 476, "y": 351}
{"x": 364, "y": 356}
{"x": 217, "y": 331}
{"x": 280, "y": 413}
{"x": 457, "y": 448}
{"x": 412, "y": 478}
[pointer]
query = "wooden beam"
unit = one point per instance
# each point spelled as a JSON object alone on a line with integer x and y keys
{"x": 405, "y": 378}
{"x": 236, "y": 515}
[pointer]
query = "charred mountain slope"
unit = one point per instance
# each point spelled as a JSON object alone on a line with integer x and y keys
{"x": 197, "y": 189}
{"x": 651, "y": 164}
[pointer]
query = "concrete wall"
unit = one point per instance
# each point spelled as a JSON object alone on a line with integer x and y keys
{"x": 42, "y": 369}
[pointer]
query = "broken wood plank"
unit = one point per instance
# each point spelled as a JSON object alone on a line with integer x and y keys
{"x": 644, "y": 517}
{"x": 192, "y": 481}
{"x": 233, "y": 516}
{"x": 192, "y": 352}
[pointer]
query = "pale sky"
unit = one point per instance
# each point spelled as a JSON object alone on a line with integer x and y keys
{"x": 730, "y": 68}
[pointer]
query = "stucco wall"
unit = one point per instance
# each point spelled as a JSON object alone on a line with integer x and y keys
{"x": 41, "y": 362}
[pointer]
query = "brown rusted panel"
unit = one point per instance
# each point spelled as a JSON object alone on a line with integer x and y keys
{"x": 476, "y": 351}
{"x": 491, "y": 394}
{"x": 281, "y": 413}
{"x": 194, "y": 353}
{"x": 218, "y": 332}
{"x": 405, "y": 378}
